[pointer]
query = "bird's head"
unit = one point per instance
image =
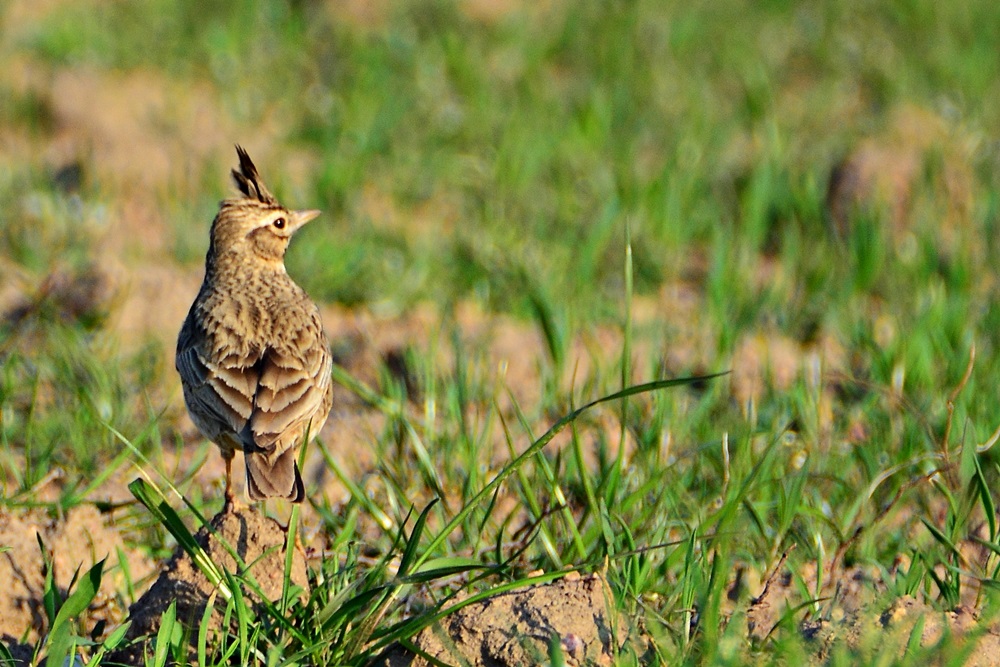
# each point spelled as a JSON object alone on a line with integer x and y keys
{"x": 254, "y": 226}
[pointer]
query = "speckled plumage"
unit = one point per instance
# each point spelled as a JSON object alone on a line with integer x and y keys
{"x": 253, "y": 359}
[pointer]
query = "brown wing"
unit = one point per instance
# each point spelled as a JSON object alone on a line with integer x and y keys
{"x": 219, "y": 384}
{"x": 293, "y": 398}
{"x": 291, "y": 393}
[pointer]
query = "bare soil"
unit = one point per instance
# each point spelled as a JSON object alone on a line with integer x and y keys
{"x": 238, "y": 539}
{"x": 515, "y": 628}
{"x": 37, "y": 544}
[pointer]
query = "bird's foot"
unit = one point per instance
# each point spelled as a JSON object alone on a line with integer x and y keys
{"x": 232, "y": 504}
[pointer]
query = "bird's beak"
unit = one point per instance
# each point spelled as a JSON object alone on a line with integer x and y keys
{"x": 302, "y": 217}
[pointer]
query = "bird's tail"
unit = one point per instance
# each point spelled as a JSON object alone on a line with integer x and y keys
{"x": 277, "y": 479}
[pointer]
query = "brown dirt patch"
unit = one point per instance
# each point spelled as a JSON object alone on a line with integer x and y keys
{"x": 515, "y": 628}
{"x": 901, "y": 619}
{"x": 135, "y": 107}
{"x": 77, "y": 540}
{"x": 895, "y": 626}
{"x": 884, "y": 174}
{"x": 83, "y": 536}
{"x": 260, "y": 544}
{"x": 856, "y": 610}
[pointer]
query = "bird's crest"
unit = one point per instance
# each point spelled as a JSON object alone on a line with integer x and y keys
{"x": 249, "y": 181}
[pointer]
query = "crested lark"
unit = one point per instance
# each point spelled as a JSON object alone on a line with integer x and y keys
{"x": 252, "y": 356}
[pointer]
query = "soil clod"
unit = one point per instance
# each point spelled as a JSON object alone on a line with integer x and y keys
{"x": 258, "y": 541}
{"x": 517, "y": 627}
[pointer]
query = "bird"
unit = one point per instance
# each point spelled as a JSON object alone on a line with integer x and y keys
{"x": 254, "y": 362}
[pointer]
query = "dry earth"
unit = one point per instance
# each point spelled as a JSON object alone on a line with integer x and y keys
{"x": 257, "y": 541}
{"x": 515, "y": 628}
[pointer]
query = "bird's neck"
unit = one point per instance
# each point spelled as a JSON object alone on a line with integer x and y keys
{"x": 240, "y": 265}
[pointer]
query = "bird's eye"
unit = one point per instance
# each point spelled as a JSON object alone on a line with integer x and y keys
{"x": 279, "y": 223}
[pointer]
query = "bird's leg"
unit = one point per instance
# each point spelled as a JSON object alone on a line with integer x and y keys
{"x": 227, "y": 455}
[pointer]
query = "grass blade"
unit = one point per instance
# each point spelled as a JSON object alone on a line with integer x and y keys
{"x": 60, "y": 638}
{"x": 163, "y": 636}
{"x": 411, "y": 546}
{"x": 538, "y": 444}
{"x": 167, "y": 516}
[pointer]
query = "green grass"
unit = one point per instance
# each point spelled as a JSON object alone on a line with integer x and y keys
{"x": 573, "y": 167}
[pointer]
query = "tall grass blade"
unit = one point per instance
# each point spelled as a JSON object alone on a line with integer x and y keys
{"x": 538, "y": 444}
{"x": 164, "y": 634}
{"x": 60, "y": 639}
{"x": 168, "y": 518}
{"x": 410, "y": 552}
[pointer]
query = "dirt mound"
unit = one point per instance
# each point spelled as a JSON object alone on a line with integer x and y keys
{"x": 516, "y": 628}
{"x": 902, "y": 617}
{"x": 258, "y": 541}
{"x": 859, "y": 613}
{"x": 77, "y": 540}
{"x": 896, "y": 626}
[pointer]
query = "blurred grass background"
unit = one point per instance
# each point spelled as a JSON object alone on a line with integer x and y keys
{"x": 457, "y": 146}
{"x": 810, "y": 191}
